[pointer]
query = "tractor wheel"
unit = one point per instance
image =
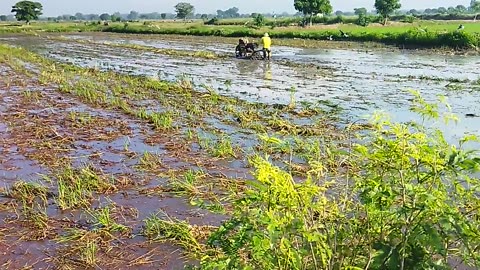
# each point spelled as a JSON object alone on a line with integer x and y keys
{"x": 257, "y": 55}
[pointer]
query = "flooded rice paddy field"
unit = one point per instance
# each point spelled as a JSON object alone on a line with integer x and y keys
{"x": 45, "y": 133}
{"x": 97, "y": 167}
{"x": 359, "y": 81}
{"x": 137, "y": 150}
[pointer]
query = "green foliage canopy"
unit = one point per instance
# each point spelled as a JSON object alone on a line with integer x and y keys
{"x": 184, "y": 10}
{"x": 313, "y": 7}
{"x": 27, "y": 10}
{"x": 387, "y": 7}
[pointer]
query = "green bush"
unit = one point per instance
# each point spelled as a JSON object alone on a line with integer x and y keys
{"x": 409, "y": 19}
{"x": 405, "y": 199}
{"x": 213, "y": 21}
{"x": 362, "y": 20}
{"x": 413, "y": 37}
{"x": 259, "y": 20}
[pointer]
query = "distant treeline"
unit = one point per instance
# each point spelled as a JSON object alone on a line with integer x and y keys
{"x": 459, "y": 12}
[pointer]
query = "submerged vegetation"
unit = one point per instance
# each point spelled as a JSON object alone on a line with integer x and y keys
{"x": 404, "y": 200}
{"x": 130, "y": 165}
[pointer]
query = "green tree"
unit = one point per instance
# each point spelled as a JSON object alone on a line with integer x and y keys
{"x": 27, "y": 11}
{"x": 475, "y": 8}
{"x": 259, "y": 20}
{"x": 313, "y": 7}
{"x": 359, "y": 11}
{"x": 413, "y": 11}
{"x": 105, "y": 17}
{"x": 442, "y": 10}
{"x": 163, "y": 16}
{"x": 232, "y": 13}
{"x": 204, "y": 17}
{"x": 115, "y": 18}
{"x": 3, "y": 18}
{"x": 386, "y": 8}
{"x": 461, "y": 9}
{"x": 362, "y": 20}
{"x": 184, "y": 10}
{"x": 79, "y": 16}
{"x": 473, "y": 3}
{"x": 133, "y": 15}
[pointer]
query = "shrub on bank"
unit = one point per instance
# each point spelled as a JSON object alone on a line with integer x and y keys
{"x": 402, "y": 199}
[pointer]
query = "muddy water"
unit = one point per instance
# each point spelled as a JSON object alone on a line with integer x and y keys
{"x": 359, "y": 81}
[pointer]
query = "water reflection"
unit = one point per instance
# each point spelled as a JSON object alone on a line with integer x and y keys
{"x": 247, "y": 67}
{"x": 267, "y": 70}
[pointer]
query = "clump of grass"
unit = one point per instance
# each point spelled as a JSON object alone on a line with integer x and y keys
{"x": 150, "y": 161}
{"x": 28, "y": 193}
{"x": 205, "y": 54}
{"x": 89, "y": 253}
{"x": 76, "y": 187}
{"x": 161, "y": 120}
{"x": 80, "y": 118}
{"x": 104, "y": 221}
{"x": 272, "y": 144}
{"x": 283, "y": 126}
{"x": 84, "y": 246}
{"x": 188, "y": 185}
{"x": 190, "y": 134}
{"x": 213, "y": 95}
{"x": 454, "y": 87}
{"x": 33, "y": 199}
{"x": 159, "y": 229}
{"x": 223, "y": 148}
{"x": 31, "y": 95}
{"x": 292, "y": 104}
{"x": 185, "y": 83}
{"x": 81, "y": 249}
{"x": 218, "y": 147}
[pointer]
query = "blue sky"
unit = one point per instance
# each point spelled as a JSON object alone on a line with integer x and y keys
{"x": 59, "y": 7}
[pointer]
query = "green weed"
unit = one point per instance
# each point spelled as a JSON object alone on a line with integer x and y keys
{"x": 161, "y": 120}
{"x": 150, "y": 161}
{"x": 89, "y": 253}
{"x": 167, "y": 229}
{"x": 105, "y": 222}
{"x": 76, "y": 187}
{"x": 31, "y": 95}
{"x": 223, "y": 148}
{"x": 80, "y": 118}
{"x": 407, "y": 200}
{"x": 188, "y": 185}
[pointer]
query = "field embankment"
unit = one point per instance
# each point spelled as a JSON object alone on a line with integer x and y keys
{"x": 412, "y": 35}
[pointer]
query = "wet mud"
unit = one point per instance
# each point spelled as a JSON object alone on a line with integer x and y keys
{"x": 46, "y": 132}
{"x": 358, "y": 81}
{"x": 43, "y": 132}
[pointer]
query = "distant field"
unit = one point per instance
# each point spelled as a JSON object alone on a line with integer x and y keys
{"x": 427, "y": 34}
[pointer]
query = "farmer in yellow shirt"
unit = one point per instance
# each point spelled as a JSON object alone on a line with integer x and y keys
{"x": 267, "y": 43}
